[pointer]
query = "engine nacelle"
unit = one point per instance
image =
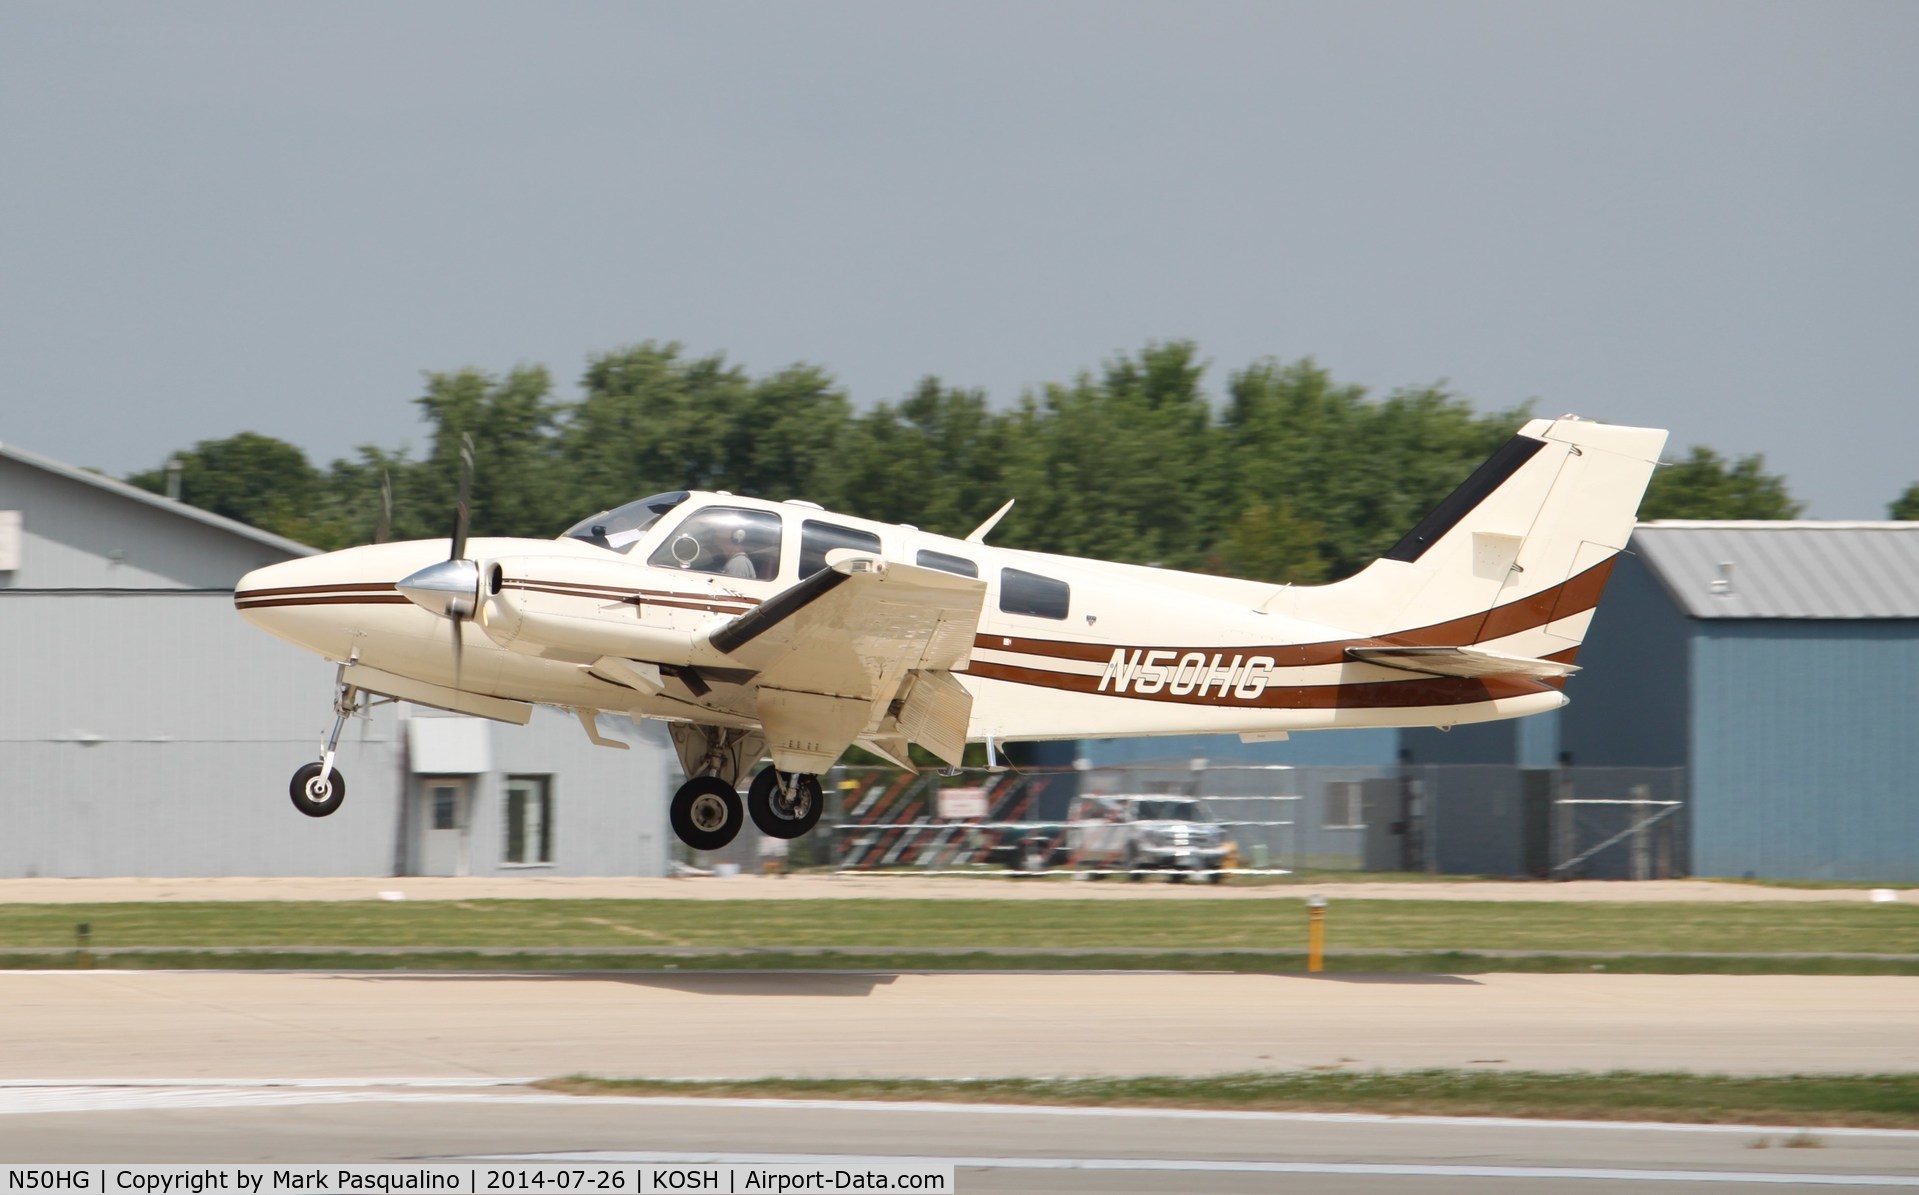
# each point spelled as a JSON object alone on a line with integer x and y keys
{"x": 576, "y": 610}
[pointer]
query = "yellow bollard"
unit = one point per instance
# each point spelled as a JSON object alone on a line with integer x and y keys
{"x": 1315, "y": 933}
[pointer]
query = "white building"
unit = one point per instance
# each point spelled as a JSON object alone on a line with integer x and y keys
{"x": 147, "y": 730}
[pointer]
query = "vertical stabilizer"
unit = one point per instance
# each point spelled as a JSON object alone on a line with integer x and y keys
{"x": 1515, "y": 558}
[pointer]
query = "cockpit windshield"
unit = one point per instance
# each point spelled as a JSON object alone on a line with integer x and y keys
{"x": 620, "y": 528}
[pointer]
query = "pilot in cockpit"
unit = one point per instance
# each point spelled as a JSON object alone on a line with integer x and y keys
{"x": 733, "y": 550}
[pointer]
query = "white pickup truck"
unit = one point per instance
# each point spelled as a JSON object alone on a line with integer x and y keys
{"x": 1140, "y": 833}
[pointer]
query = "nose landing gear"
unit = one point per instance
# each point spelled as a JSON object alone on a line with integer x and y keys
{"x": 317, "y": 789}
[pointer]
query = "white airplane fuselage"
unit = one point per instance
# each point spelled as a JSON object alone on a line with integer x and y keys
{"x": 1475, "y": 616}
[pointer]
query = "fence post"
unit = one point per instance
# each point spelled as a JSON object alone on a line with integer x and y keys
{"x": 1641, "y": 836}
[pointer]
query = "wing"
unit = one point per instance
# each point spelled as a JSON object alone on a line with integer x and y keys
{"x": 864, "y": 648}
{"x": 1459, "y": 661}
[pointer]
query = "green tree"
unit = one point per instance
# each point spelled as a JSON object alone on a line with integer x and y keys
{"x": 515, "y": 459}
{"x": 256, "y": 479}
{"x": 790, "y": 438}
{"x": 1906, "y": 507}
{"x": 1706, "y": 486}
{"x": 933, "y": 461}
{"x": 1318, "y": 454}
{"x": 650, "y": 420}
{"x": 1120, "y": 467}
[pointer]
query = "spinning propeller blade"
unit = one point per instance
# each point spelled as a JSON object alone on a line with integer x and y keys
{"x": 451, "y": 588}
{"x": 386, "y": 508}
{"x": 460, "y": 506}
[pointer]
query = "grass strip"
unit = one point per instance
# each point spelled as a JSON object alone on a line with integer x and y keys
{"x": 1257, "y": 923}
{"x": 1888, "y": 1101}
{"x": 1350, "y": 965}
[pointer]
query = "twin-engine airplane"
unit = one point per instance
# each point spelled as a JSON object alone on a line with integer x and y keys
{"x": 758, "y": 628}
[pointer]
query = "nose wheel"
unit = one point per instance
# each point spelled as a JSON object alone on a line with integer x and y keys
{"x": 785, "y": 804}
{"x": 706, "y": 813}
{"x": 315, "y": 792}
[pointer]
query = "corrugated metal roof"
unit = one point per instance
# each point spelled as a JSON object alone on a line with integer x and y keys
{"x": 135, "y": 493}
{"x": 1785, "y": 569}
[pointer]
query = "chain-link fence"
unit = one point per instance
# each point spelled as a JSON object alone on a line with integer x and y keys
{"x": 1207, "y": 821}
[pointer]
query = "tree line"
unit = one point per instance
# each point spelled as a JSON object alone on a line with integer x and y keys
{"x": 1289, "y": 476}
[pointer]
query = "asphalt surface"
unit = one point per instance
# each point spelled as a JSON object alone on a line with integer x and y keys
{"x": 109, "y": 1066}
{"x": 210, "y": 1067}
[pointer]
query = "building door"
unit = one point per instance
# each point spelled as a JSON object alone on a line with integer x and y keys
{"x": 441, "y": 822}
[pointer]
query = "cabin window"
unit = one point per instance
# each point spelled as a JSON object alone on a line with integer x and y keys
{"x": 1030, "y": 593}
{"x": 817, "y": 539}
{"x": 725, "y": 540}
{"x": 948, "y": 564}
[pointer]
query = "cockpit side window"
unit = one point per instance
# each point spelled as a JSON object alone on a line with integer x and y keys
{"x": 724, "y": 540}
{"x": 620, "y": 528}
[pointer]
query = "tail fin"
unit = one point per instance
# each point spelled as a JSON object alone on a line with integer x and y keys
{"x": 1514, "y": 559}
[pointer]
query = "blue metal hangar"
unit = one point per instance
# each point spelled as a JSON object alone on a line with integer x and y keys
{"x": 1778, "y": 664}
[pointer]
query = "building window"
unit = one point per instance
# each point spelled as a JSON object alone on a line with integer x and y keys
{"x": 446, "y": 807}
{"x": 529, "y": 819}
{"x": 1345, "y": 805}
{"x": 1030, "y": 593}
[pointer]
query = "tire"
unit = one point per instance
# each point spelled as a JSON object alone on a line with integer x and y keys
{"x": 1134, "y": 871}
{"x": 762, "y": 801}
{"x": 706, "y": 813}
{"x": 312, "y": 795}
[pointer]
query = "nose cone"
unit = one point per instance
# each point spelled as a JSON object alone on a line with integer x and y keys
{"x": 319, "y": 602}
{"x": 450, "y": 588}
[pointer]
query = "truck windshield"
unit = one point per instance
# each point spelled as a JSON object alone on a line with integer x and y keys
{"x": 620, "y": 528}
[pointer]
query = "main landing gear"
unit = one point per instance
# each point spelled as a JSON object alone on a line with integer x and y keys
{"x": 707, "y": 812}
{"x": 785, "y": 804}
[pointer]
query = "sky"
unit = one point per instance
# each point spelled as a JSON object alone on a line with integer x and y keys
{"x": 225, "y": 217}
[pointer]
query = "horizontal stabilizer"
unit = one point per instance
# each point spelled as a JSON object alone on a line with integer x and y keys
{"x": 1458, "y": 661}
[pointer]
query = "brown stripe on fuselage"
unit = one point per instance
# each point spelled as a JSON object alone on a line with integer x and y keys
{"x": 1392, "y": 694}
{"x": 249, "y": 602}
{"x": 1573, "y": 596}
{"x": 294, "y": 590}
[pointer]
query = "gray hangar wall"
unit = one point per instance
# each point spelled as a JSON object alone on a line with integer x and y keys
{"x": 152, "y": 733}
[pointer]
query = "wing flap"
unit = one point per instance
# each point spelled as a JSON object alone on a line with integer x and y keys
{"x": 936, "y": 714}
{"x": 1459, "y": 661}
{"x": 851, "y": 638}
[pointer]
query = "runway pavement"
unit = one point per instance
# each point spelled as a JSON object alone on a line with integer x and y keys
{"x": 199, "y": 1024}
{"x": 236, "y": 1067}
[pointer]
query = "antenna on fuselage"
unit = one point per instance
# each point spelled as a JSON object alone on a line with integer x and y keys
{"x": 979, "y": 532}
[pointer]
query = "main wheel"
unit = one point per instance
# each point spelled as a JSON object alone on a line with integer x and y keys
{"x": 789, "y": 814}
{"x": 314, "y": 795}
{"x": 706, "y": 813}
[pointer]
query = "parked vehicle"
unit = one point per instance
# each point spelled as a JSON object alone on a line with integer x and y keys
{"x": 1140, "y": 833}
